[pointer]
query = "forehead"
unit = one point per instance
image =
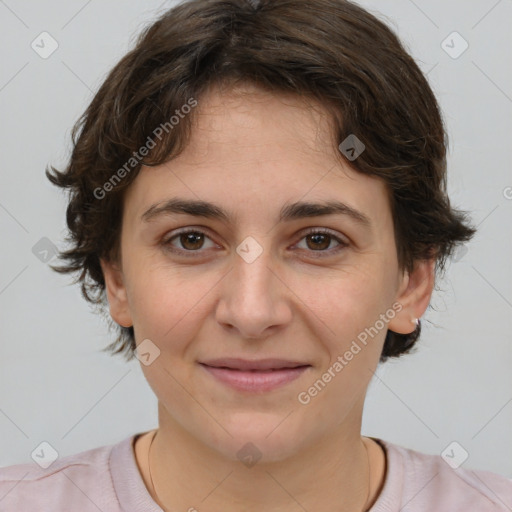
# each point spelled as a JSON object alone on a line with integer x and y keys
{"x": 257, "y": 123}
{"x": 252, "y": 152}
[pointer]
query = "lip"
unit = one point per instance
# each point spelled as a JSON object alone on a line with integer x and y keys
{"x": 235, "y": 363}
{"x": 254, "y": 380}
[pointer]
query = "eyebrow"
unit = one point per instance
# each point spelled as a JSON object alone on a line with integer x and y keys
{"x": 294, "y": 211}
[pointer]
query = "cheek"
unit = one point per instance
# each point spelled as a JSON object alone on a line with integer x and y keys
{"x": 345, "y": 301}
{"x": 350, "y": 306}
{"x": 167, "y": 301}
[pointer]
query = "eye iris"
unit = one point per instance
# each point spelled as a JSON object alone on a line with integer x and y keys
{"x": 192, "y": 238}
{"x": 318, "y": 238}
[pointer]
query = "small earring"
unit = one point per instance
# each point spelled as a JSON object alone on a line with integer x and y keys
{"x": 415, "y": 321}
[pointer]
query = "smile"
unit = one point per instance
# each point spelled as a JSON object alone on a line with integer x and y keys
{"x": 252, "y": 380}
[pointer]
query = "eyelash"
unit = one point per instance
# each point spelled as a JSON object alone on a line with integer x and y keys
{"x": 312, "y": 231}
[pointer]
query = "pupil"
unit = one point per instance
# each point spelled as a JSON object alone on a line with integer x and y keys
{"x": 191, "y": 238}
{"x": 318, "y": 238}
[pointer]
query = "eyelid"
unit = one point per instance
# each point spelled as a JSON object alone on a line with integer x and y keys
{"x": 325, "y": 231}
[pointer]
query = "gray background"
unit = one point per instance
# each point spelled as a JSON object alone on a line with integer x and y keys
{"x": 55, "y": 384}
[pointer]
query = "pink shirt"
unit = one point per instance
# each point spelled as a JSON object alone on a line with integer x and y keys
{"x": 107, "y": 479}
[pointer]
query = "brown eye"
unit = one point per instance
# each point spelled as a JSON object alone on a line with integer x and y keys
{"x": 192, "y": 240}
{"x": 319, "y": 241}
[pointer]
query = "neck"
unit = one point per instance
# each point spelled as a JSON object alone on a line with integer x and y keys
{"x": 332, "y": 473}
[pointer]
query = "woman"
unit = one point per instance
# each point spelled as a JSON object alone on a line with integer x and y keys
{"x": 258, "y": 189}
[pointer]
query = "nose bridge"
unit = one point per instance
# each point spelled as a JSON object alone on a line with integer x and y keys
{"x": 252, "y": 272}
{"x": 253, "y": 298}
{"x": 252, "y": 277}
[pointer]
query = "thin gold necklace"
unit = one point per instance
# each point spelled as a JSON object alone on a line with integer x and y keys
{"x": 160, "y": 502}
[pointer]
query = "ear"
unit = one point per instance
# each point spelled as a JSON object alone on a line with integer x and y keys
{"x": 116, "y": 293}
{"x": 413, "y": 295}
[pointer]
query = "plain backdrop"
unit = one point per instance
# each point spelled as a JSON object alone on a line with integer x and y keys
{"x": 56, "y": 385}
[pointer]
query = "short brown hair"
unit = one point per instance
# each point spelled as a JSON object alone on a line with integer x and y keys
{"x": 332, "y": 51}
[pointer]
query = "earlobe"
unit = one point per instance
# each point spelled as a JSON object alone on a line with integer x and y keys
{"x": 414, "y": 296}
{"x": 116, "y": 293}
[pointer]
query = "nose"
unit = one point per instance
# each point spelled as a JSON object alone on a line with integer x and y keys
{"x": 254, "y": 299}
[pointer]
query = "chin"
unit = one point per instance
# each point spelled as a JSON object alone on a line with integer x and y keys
{"x": 253, "y": 451}
{"x": 262, "y": 437}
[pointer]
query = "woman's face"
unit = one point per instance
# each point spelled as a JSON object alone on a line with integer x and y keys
{"x": 249, "y": 285}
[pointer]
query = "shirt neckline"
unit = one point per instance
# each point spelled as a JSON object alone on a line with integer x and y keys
{"x": 132, "y": 493}
{"x": 127, "y": 479}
